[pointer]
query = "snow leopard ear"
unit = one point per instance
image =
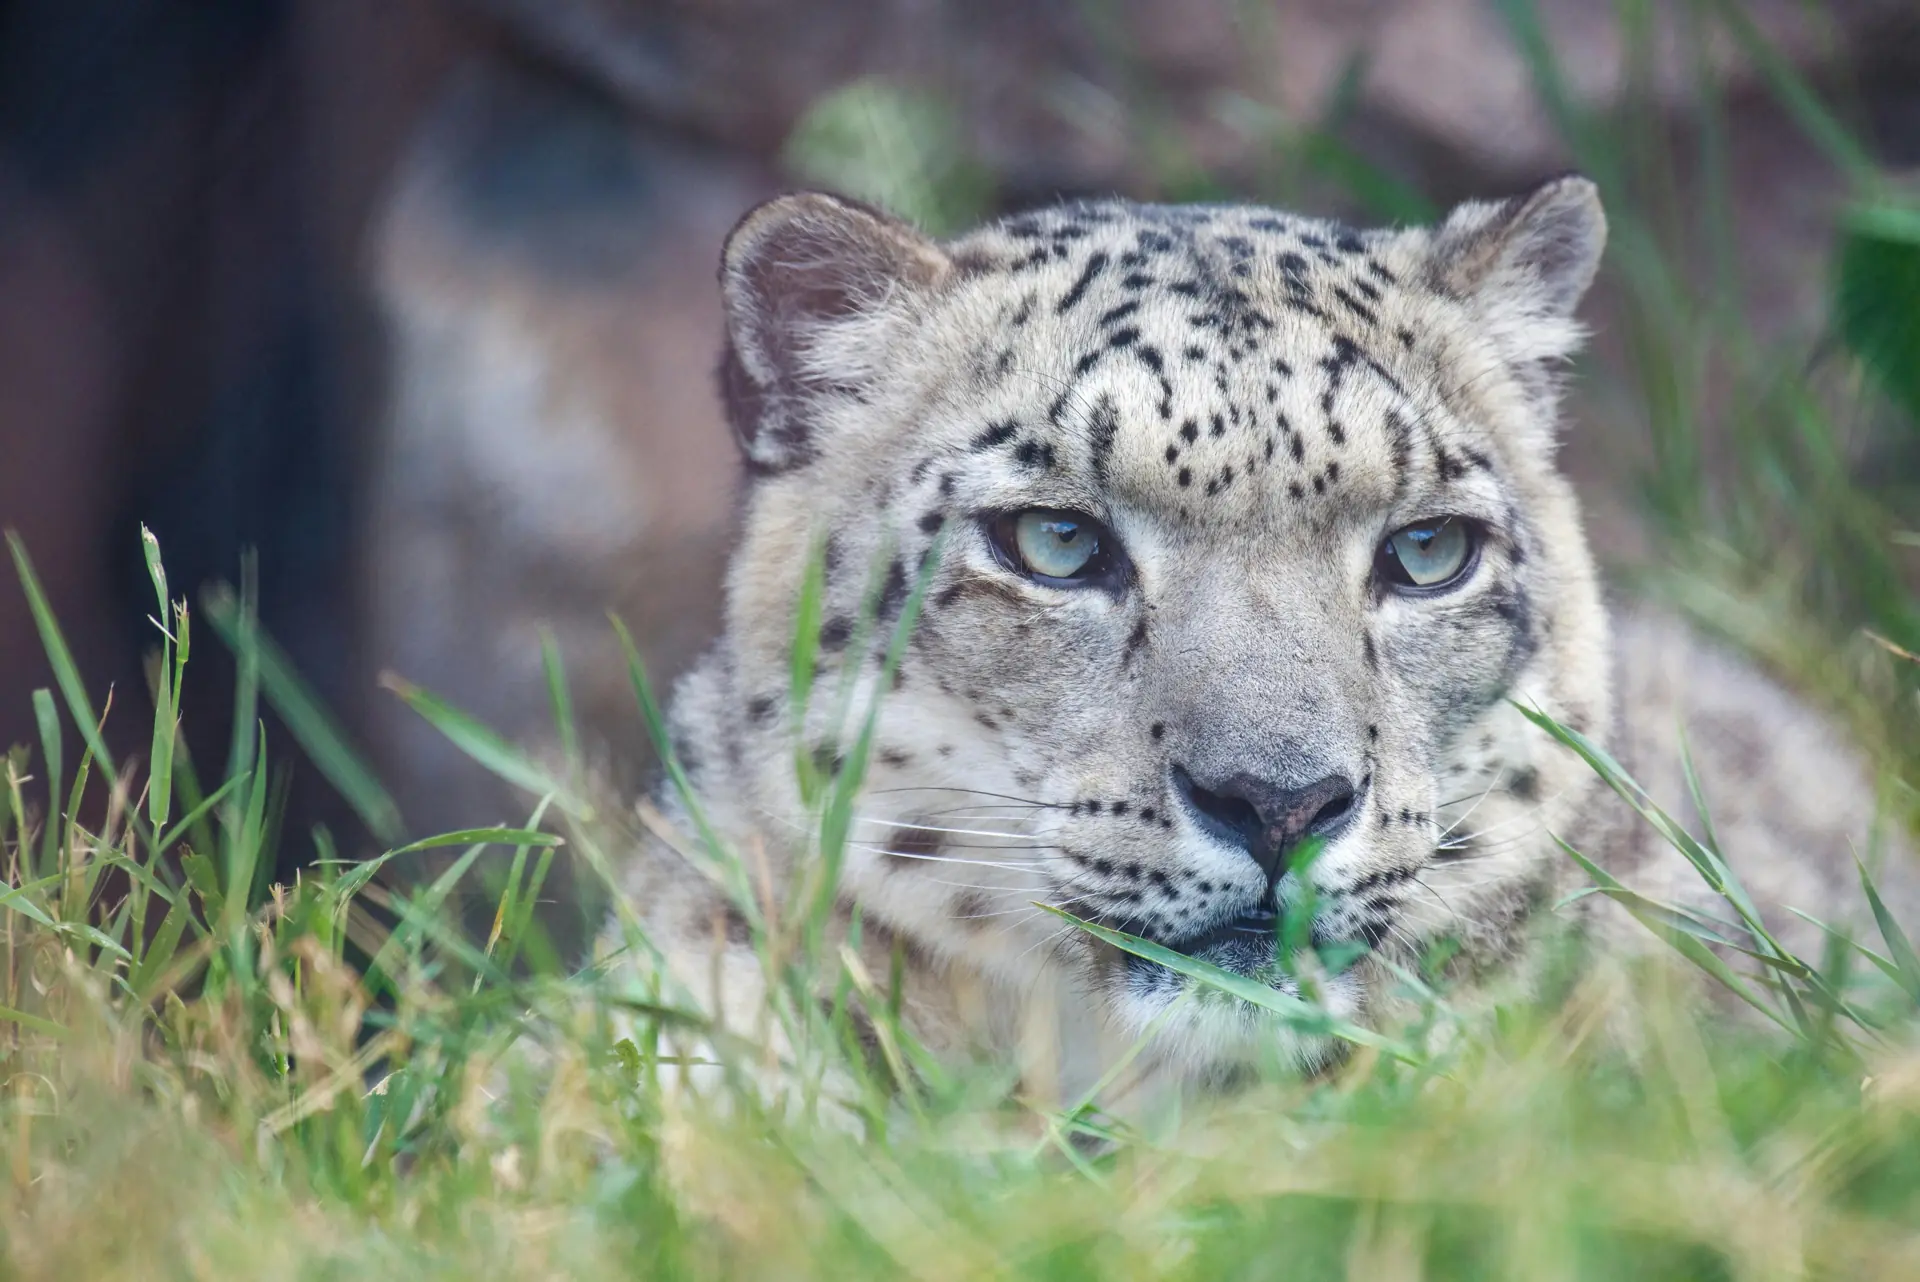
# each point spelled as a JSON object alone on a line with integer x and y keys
{"x": 814, "y": 287}
{"x": 1525, "y": 263}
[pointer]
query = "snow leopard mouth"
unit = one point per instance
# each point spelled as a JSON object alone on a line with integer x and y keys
{"x": 1243, "y": 944}
{"x": 1247, "y": 944}
{"x": 1258, "y": 925}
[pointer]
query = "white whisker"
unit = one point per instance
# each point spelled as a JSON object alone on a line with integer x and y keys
{"x": 1495, "y": 783}
{"x": 988, "y": 888}
{"x": 1526, "y": 813}
{"x": 1045, "y": 940}
{"x": 1028, "y": 909}
{"x": 973, "y": 792}
{"x": 912, "y": 826}
{"x": 1015, "y": 864}
{"x": 1025, "y": 838}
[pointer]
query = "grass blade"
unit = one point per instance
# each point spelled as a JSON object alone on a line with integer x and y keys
{"x": 186, "y": 782}
{"x": 1880, "y": 963}
{"x": 318, "y": 734}
{"x": 1656, "y": 917}
{"x": 421, "y": 916}
{"x": 19, "y": 899}
{"x": 166, "y": 694}
{"x": 719, "y": 858}
{"x": 1698, "y": 796}
{"x": 808, "y": 610}
{"x": 50, "y": 748}
{"x": 33, "y": 1023}
{"x": 560, "y": 698}
{"x": 508, "y": 900}
{"x": 1714, "y": 870}
{"x": 489, "y": 836}
{"x": 245, "y": 836}
{"x": 1297, "y": 1014}
{"x": 485, "y": 746}
{"x": 355, "y": 878}
{"x": 836, "y": 822}
{"x": 246, "y": 689}
{"x": 65, "y": 674}
{"x": 201, "y": 809}
{"x": 1797, "y": 98}
{"x": 1899, "y": 948}
{"x": 519, "y": 928}
{"x": 160, "y": 953}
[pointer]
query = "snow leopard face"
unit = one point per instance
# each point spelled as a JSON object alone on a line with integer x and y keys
{"x": 1241, "y": 535}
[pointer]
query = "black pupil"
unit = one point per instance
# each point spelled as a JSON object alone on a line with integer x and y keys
{"x": 1065, "y": 531}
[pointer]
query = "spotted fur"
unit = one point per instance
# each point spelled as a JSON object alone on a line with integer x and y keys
{"x": 1250, "y": 401}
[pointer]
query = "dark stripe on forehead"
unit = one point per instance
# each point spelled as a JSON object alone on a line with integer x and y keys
{"x": 1150, "y": 356}
{"x": 1096, "y": 264}
{"x": 1355, "y": 306}
{"x": 1293, "y": 274}
{"x": 995, "y": 434}
{"x": 1345, "y": 355}
{"x": 1105, "y": 428}
{"x": 1400, "y": 442}
{"x": 1035, "y": 453}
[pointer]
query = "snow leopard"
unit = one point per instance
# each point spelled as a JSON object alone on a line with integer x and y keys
{"x": 1198, "y": 563}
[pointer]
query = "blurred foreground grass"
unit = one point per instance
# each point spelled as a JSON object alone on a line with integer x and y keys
{"x": 209, "y": 1076}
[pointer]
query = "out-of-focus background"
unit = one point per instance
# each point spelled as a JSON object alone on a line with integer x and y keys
{"x": 415, "y": 298}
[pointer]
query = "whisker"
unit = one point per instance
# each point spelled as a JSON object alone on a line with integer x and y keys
{"x": 1498, "y": 775}
{"x": 988, "y": 889}
{"x": 1472, "y": 842}
{"x": 1068, "y": 391}
{"x": 980, "y": 845}
{"x": 1524, "y": 813}
{"x": 983, "y": 812}
{"x": 971, "y": 792}
{"x": 1438, "y": 897}
{"x": 959, "y": 832}
{"x": 1028, "y": 909}
{"x": 872, "y": 849}
{"x": 1398, "y": 932}
{"x": 1046, "y": 940}
{"x": 1020, "y": 837}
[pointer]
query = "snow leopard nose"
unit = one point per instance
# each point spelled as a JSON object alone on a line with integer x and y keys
{"x": 1266, "y": 819}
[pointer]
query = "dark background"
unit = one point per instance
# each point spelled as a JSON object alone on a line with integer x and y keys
{"x": 183, "y": 339}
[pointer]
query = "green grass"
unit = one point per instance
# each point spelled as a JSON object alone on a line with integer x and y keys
{"x": 191, "y": 1053}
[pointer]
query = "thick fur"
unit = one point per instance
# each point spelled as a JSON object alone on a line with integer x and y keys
{"x": 1250, "y": 401}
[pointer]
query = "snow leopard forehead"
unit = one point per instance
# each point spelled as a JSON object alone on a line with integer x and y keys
{"x": 1228, "y": 363}
{"x": 1218, "y": 363}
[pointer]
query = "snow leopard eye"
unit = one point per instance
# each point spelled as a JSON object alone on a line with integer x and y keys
{"x": 1057, "y": 549}
{"x": 1428, "y": 554}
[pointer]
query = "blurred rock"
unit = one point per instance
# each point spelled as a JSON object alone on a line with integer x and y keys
{"x": 1047, "y": 87}
{"x": 552, "y": 450}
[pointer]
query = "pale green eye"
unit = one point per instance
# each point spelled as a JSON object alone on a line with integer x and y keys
{"x": 1427, "y": 553}
{"x": 1055, "y": 545}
